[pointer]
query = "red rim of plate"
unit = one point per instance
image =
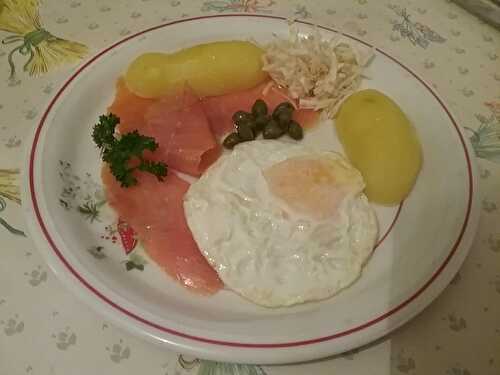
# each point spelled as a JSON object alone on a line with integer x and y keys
{"x": 229, "y": 343}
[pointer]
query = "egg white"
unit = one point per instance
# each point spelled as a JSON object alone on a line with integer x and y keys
{"x": 263, "y": 250}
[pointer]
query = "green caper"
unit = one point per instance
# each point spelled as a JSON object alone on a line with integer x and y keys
{"x": 272, "y": 130}
{"x": 231, "y": 140}
{"x": 260, "y": 122}
{"x": 248, "y": 122}
{"x": 295, "y": 130}
{"x": 241, "y": 116}
{"x": 252, "y": 124}
{"x": 259, "y": 108}
{"x": 245, "y": 132}
{"x": 285, "y": 106}
{"x": 284, "y": 117}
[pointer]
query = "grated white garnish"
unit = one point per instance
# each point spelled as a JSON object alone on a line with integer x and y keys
{"x": 319, "y": 73}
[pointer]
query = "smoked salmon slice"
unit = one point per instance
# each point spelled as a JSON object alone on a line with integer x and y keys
{"x": 129, "y": 108}
{"x": 181, "y": 128}
{"x": 220, "y": 109}
{"x": 178, "y": 123}
{"x": 155, "y": 210}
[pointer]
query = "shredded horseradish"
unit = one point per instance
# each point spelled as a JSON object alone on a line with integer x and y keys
{"x": 319, "y": 73}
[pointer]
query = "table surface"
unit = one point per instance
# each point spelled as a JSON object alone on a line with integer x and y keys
{"x": 44, "y": 329}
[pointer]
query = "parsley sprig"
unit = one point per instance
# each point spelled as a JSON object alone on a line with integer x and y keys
{"x": 124, "y": 154}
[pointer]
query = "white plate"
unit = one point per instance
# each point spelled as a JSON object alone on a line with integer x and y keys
{"x": 416, "y": 260}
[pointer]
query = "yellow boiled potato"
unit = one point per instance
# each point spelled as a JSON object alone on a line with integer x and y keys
{"x": 210, "y": 69}
{"x": 381, "y": 142}
{"x": 145, "y": 76}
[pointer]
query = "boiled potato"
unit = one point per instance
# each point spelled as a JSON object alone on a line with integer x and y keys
{"x": 381, "y": 142}
{"x": 210, "y": 69}
{"x": 145, "y": 76}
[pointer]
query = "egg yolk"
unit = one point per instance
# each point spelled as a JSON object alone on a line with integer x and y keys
{"x": 313, "y": 186}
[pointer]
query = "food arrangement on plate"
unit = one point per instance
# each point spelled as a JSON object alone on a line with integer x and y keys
{"x": 205, "y": 156}
{"x": 257, "y": 174}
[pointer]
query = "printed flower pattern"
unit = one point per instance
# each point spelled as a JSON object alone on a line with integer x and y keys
{"x": 80, "y": 193}
{"x": 486, "y": 138}
{"x": 9, "y": 191}
{"x": 219, "y": 368}
{"x": 417, "y": 33}
{"x": 42, "y": 49}
{"x": 250, "y": 6}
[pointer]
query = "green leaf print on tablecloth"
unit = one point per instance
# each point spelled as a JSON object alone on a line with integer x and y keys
{"x": 219, "y": 368}
{"x": 486, "y": 139}
{"x": 417, "y": 33}
{"x": 251, "y": 6}
{"x": 9, "y": 190}
{"x": 42, "y": 49}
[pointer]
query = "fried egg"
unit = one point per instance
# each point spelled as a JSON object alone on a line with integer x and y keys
{"x": 282, "y": 223}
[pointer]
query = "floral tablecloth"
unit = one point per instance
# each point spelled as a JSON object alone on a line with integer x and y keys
{"x": 44, "y": 329}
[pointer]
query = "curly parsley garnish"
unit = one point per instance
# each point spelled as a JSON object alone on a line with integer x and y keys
{"x": 124, "y": 154}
